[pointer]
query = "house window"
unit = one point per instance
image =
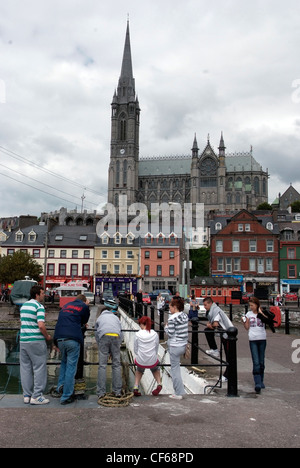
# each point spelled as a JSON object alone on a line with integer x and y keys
{"x": 147, "y": 270}
{"x": 252, "y": 246}
{"x": 241, "y": 228}
{"x": 62, "y": 269}
{"x": 104, "y": 254}
{"x": 86, "y": 270}
{"x": 51, "y": 254}
{"x": 10, "y": 251}
{"x": 74, "y": 270}
{"x": 270, "y": 246}
{"x": 172, "y": 270}
{"x": 103, "y": 269}
{"x": 237, "y": 264}
{"x": 219, "y": 246}
{"x": 74, "y": 253}
{"x": 63, "y": 254}
{"x": 269, "y": 264}
{"x": 117, "y": 254}
{"x": 159, "y": 270}
{"x": 291, "y": 253}
{"x": 260, "y": 266}
{"x": 87, "y": 254}
{"x": 228, "y": 265}
{"x": 36, "y": 253}
{"x": 172, "y": 254}
{"x": 252, "y": 264}
{"x": 235, "y": 246}
{"x": 116, "y": 269}
{"x": 159, "y": 254}
{"x": 130, "y": 254}
{"x": 248, "y": 227}
{"x": 292, "y": 271}
{"x": 50, "y": 269}
{"x": 147, "y": 254}
{"x": 220, "y": 266}
{"x": 129, "y": 269}
{"x": 105, "y": 240}
{"x": 118, "y": 238}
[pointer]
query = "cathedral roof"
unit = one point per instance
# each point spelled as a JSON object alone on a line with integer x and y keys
{"x": 181, "y": 165}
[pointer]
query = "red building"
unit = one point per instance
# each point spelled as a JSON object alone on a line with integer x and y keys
{"x": 246, "y": 247}
{"x": 160, "y": 262}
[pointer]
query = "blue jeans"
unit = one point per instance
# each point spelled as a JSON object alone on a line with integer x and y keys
{"x": 70, "y": 350}
{"x": 258, "y": 351}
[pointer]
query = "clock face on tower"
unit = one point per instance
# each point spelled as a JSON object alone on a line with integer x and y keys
{"x": 208, "y": 167}
{"x": 122, "y": 151}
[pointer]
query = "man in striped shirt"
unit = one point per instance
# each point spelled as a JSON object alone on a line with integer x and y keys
{"x": 33, "y": 348}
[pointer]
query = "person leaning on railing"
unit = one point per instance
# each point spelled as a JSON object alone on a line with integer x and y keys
{"x": 177, "y": 331}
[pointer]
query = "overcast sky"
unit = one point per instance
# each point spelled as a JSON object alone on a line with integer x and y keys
{"x": 201, "y": 66}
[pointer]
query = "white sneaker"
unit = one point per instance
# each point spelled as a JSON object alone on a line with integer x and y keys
{"x": 224, "y": 379}
{"x": 39, "y": 401}
{"x": 213, "y": 352}
{"x": 176, "y": 397}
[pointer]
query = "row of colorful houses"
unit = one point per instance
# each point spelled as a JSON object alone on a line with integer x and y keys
{"x": 255, "y": 253}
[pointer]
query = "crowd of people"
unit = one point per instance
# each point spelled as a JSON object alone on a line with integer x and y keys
{"x": 68, "y": 339}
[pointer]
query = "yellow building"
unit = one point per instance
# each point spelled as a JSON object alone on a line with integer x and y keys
{"x": 117, "y": 264}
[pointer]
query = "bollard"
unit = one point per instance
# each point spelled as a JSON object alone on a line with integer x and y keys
{"x": 232, "y": 362}
{"x": 195, "y": 341}
{"x": 161, "y": 328}
{"x": 152, "y": 311}
{"x": 287, "y": 321}
{"x": 230, "y": 312}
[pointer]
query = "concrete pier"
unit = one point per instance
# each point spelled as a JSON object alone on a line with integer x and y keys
{"x": 199, "y": 421}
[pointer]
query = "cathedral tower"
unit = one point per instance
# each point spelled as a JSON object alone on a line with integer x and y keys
{"x": 125, "y": 125}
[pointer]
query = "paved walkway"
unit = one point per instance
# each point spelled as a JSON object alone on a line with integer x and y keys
{"x": 269, "y": 420}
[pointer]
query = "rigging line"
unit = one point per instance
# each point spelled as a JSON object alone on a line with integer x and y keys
{"x": 14, "y": 155}
{"x": 35, "y": 188}
{"x": 47, "y": 185}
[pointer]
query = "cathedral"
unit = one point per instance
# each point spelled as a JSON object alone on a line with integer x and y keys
{"x": 222, "y": 181}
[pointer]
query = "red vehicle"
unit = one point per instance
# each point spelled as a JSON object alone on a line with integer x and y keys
{"x": 146, "y": 299}
{"x": 291, "y": 297}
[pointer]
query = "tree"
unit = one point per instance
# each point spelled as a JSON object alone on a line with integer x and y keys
{"x": 201, "y": 262}
{"x": 17, "y": 266}
{"x": 296, "y": 206}
{"x": 264, "y": 207}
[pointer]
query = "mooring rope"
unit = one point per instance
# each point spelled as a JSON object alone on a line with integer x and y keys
{"x": 112, "y": 401}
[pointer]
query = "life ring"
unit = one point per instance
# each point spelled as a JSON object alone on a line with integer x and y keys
{"x": 277, "y": 312}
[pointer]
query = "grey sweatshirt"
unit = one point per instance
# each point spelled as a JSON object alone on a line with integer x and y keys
{"x": 108, "y": 322}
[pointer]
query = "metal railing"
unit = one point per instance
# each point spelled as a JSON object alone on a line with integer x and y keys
{"x": 135, "y": 311}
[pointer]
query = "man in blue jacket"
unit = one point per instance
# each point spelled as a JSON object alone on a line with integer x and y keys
{"x": 68, "y": 337}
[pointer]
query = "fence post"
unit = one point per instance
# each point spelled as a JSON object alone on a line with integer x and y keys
{"x": 195, "y": 342}
{"x": 230, "y": 312}
{"x": 161, "y": 328}
{"x": 232, "y": 362}
{"x": 152, "y": 311}
{"x": 287, "y": 321}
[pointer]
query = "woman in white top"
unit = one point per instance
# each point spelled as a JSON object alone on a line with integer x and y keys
{"x": 258, "y": 341}
{"x": 146, "y": 355}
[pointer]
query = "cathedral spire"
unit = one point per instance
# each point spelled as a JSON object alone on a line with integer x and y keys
{"x": 126, "y": 87}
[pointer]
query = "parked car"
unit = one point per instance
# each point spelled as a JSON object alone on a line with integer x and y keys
{"x": 146, "y": 299}
{"x": 166, "y": 293}
{"x": 106, "y": 295}
{"x": 90, "y": 296}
